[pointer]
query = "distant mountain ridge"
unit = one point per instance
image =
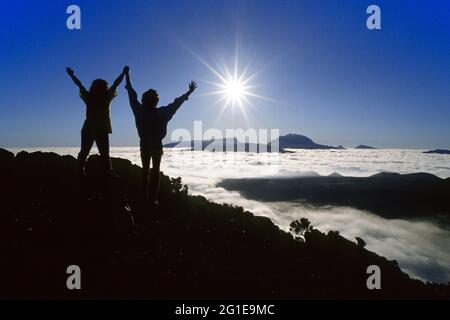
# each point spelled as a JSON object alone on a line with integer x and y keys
{"x": 363, "y": 146}
{"x": 289, "y": 141}
{"x": 438, "y": 151}
{"x": 386, "y": 194}
{"x": 298, "y": 141}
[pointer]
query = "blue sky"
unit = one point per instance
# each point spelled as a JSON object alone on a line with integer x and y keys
{"x": 327, "y": 75}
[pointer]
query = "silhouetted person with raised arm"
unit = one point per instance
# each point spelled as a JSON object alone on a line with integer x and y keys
{"x": 97, "y": 125}
{"x": 151, "y": 124}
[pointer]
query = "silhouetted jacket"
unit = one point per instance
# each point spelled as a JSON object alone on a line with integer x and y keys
{"x": 151, "y": 123}
{"x": 97, "y": 110}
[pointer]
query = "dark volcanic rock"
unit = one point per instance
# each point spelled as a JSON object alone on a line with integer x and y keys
{"x": 187, "y": 247}
{"x": 6, "y": 160}
{"x": 5, "y": 156}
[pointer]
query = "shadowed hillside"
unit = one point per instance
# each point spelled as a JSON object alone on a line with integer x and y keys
{"x": 390, "y": 195}
{"x": 188, "y": 247}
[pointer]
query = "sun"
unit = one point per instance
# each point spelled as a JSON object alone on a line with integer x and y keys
{"x": 234, "y": 89}
{"x": 233, "y": 86}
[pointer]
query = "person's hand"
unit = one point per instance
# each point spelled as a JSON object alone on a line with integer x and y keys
{"x": 69, "y": 71}
{"x": 126, "y": 69}
{"x": 192, "y": 86}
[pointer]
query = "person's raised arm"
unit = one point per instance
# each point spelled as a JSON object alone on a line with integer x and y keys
{"x": 132, "y": 95}
{"x": 179, "y": 101}
{"x": 192, "y": 87}
{"x": 71, "y": 73}
{"x": 118, "y": 80}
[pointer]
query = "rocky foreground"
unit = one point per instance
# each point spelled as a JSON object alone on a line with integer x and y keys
{"x": 187, "y": 247}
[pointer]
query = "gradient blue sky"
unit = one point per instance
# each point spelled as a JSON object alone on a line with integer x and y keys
{"x": 330, "y": 77}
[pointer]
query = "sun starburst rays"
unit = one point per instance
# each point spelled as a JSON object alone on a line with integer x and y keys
{"x": 234, "y": 88}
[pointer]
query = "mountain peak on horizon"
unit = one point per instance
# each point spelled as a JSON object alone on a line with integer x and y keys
{"x": 298, "y": 141}
{"x": 363, "y": 146}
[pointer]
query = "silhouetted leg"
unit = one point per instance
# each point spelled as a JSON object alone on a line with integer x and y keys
{"x": 102, "y": 142}
{"x": 145, "y": 159}
{"x": 87, "y": 140}
{"x": 155, "y": 177}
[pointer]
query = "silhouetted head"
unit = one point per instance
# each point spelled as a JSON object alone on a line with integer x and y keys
{"x": 99, "y": 86}
{"x": 150, "y": 98}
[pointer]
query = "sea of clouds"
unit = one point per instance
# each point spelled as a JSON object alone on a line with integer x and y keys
{"x": 421, "y": 247}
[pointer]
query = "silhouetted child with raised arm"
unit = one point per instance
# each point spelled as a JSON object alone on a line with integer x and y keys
{"x": 151, "y": 124}
{"x": 97, "y": 125}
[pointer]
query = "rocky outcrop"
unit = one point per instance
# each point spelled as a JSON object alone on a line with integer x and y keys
{"x": 187, "y": 247}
